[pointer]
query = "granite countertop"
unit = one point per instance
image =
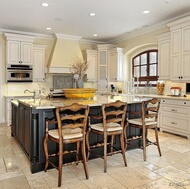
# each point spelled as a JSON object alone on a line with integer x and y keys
{"x": 98, "y": 100}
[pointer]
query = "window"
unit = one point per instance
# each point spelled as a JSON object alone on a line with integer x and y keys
{"x": 145, "y": 68}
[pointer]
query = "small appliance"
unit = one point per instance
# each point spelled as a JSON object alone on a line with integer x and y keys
{"x": 175, "y": 91}
{"x": 19, "y": 73}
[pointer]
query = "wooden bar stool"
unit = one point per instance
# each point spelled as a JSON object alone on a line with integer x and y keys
{"x": 71, "y": 121}
{"x": 112, "y": 123}
{"x": 148, "y": 120}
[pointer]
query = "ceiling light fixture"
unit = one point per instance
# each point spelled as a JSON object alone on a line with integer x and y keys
{"x": 146, "y": 12}
{"x": 48, "y": 28}
{"x": 92, "y": 14}
{"x": 45, "y": 4}
{"x": 95, "y": 35}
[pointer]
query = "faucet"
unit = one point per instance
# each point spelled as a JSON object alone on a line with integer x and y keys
{"x": 34, "y": 93}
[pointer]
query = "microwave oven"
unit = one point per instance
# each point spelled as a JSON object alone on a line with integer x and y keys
{"x": 19, "y": 73}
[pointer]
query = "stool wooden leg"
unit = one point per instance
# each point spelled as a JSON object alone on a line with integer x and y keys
{"x": 144, "y": 142}
{"x": 105, "y": 153}
{"x": 84, "y": 159}
{"x": 46, "y": 153}
{"x": 77, "y": 152}
{"x": 112, "y": 139}
{"x": 60, "y": 165}
{"x": 157, "y": 141}
{"x": 123, "y": 149}
{"x": 87, "y": 144}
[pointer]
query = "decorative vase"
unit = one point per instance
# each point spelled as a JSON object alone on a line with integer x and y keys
{"x": 80, "y": 83}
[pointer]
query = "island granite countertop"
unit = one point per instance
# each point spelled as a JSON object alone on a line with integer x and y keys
{"x": 98, "y": 100}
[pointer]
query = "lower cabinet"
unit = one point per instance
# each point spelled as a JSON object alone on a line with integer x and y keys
{"x": 23, "y": 123}
{"x": 14, "y": 125}
{"x": 174, "y": 117}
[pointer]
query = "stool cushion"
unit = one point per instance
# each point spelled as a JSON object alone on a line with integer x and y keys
{"x": 138, "y": 121}
{"x": 110, "y": 127}
{"x": 66, "y": 133}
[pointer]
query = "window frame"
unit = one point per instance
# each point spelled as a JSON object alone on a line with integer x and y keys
{"x": 146, "y": 78}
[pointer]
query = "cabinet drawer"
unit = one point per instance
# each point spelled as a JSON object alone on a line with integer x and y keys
{"x": 175, "y": 110}
{"x": 174, "y": 124}
{"x": 175, "y": 102}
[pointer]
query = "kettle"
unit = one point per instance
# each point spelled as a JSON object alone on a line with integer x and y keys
{"x": 175, "y": 91}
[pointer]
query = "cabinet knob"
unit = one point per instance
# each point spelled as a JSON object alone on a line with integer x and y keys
{"x": 173, "y": 123}
{"x": 173, "y": 110}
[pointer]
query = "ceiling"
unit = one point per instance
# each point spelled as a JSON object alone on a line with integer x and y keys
{"x": 114, "y": 18}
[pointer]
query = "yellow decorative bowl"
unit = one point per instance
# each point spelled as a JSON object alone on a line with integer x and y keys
{"x": 79, "y": 93}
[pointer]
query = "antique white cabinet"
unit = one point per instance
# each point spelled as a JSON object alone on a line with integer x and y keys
{"x": 19, "y": 49}
{"x": 91, "y": 56}
{"x": 180, "y": 49}
{"x": 164, "y": 56}
{"x": 103, "y": 60}
{"x": 174, "y": 117}
{"x": 116, "y": 67}
{"x": 39, "y": 63}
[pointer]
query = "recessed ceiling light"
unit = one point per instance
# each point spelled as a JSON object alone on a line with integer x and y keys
{"x": 48, "y": 28}
{"x": 45, "y": 4}
{"x": 146, "y": 12}
{"x": 95, "y": 35}
{"x": 92, "y": 14}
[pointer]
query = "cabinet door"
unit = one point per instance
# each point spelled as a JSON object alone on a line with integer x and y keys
{"x": 92, "y": 59}
{"x": 19, "y": 52}
{"x": 185, "y": 67}
{"x": 13, "y": 52}
{"x": 102, "y": 71}
{"x": 26, "y": 54}
{"x": 176, "y": 55}
{"x": 115, "y": 66}
{"x": 39, "y": 65}
{"x": 164, "y": 60}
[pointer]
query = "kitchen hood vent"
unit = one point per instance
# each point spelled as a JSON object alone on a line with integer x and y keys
{"x": 65, "y": 50}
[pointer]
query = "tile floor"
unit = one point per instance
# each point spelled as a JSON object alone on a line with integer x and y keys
{"x": 171, "y": 171}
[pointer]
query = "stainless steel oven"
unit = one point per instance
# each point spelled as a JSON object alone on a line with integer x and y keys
{"x": 19, "y": 73}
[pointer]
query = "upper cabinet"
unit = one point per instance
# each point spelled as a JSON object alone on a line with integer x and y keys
{"x": 116, "y": 67}
{"x": 180, "y": 49}
{"x": 39, "y": 63}
{"x": 91, "y": 56}
{"x": 19, "y": 49}
{"x": 164, "y": 56}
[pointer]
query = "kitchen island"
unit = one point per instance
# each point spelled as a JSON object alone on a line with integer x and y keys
{"x": 28, "y": 123}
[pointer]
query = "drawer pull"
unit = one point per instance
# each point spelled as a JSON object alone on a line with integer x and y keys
{"x": 174, "y": 123}
{"x": 173, "y": 110}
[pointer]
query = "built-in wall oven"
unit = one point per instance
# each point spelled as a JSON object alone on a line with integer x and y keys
{"x": 19, "y": 73}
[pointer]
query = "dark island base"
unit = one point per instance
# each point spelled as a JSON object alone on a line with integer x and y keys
{"x": 28, "y": 128}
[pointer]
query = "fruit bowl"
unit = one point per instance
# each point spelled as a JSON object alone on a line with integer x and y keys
{"x": 79, "y": 92}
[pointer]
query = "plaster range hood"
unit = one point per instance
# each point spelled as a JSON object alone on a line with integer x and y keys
{"x": 65, "y": 50}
